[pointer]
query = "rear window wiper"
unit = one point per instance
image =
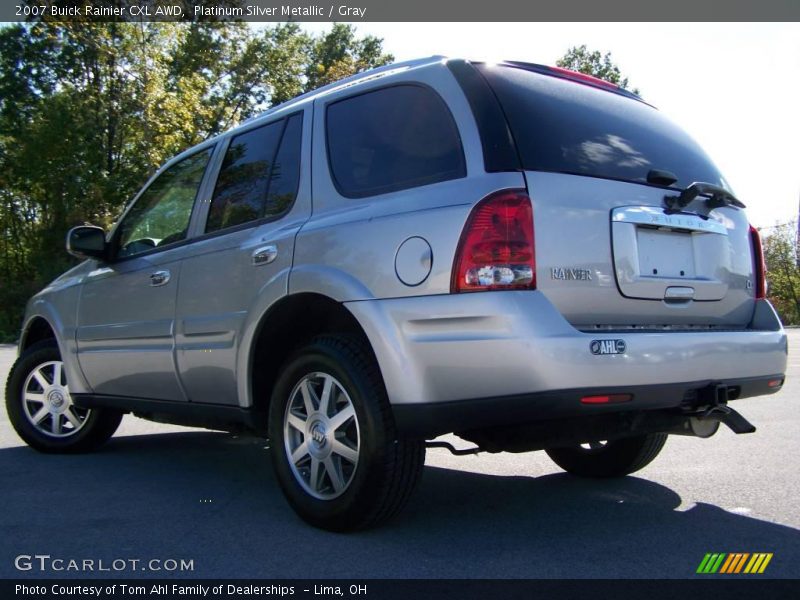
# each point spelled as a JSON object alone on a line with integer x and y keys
{"x": 717, "y": 197}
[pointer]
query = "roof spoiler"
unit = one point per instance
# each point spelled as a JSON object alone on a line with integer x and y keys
{"x": 575, "y": 76}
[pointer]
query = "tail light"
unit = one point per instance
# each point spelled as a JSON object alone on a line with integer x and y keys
{"x": 496, "y": 249}
{"x": 760, "y": 266}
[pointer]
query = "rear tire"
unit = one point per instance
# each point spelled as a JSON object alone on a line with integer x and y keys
{"x": 40, "y": 407}
{"x": 334, "y": 446}
{"x": 613, "y": 459}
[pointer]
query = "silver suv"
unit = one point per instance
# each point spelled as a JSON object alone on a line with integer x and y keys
{"x": 527, "y": 257}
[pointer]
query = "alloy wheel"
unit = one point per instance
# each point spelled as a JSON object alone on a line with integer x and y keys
{"x": 321, "y": 436}
{"x": 47, "y": 403}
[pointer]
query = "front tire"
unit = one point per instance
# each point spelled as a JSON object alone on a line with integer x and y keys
{"x": 335, "y": 449}
{"x": 610, "y": 459}
{"x": 41, "y": 410}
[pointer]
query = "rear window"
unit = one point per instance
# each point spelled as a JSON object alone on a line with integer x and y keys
{"x": 392, "y": 139}
{"x": 565, "y": 127}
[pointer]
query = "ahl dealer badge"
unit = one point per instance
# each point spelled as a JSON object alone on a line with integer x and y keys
{"x": 601, "y": 347}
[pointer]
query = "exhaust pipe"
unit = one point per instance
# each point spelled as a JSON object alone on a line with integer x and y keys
{"x": 707, "y": 424}
{"x": 714, "y": 401}
{"x": 696, "y": 427}
{"x": 725, "y": 414}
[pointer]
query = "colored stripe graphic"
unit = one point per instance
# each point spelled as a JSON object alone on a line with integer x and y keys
{"x": 741, "y": 562}
{"x": 703, "y": 563}
{"x": 727, "y": 564}
{"x": 711, "y": 562}
{"x": 758, "y": 563}
{"x": 765, "y": 563}
{"x": 734, "y": 562}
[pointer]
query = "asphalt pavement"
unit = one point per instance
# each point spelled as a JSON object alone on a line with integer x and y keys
{"x": 162, "y": 493}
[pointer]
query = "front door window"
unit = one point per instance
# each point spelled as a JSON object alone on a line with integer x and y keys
{"x": 161, "y": 214}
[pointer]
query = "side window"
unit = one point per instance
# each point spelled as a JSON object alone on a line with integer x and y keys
{"x": 259, "y": 175}
{"x": 161, "y": 214}
{"x": 286, "y": 170}
{"x": 392, "y": 139}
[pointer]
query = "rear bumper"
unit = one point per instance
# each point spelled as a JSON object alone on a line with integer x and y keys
{"x": 433, "y": 419}
{"x": 439, "y": 355}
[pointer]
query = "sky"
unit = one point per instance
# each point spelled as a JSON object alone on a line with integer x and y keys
{"x": 734, "y": 87}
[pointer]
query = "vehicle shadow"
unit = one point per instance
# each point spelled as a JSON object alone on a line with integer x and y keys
{"x": 212, "y": 498}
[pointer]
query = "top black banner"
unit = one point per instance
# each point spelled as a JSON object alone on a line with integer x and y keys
{"x": 77, "y": 11}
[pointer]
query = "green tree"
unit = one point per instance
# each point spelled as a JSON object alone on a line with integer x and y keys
{"x": 581, "y": 59}
{"x": 783, "y": 273}
{"x": 88, "y": 111}
{"x": 339, "y": 53}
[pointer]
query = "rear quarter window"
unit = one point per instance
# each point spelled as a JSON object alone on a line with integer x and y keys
{"x": 392, "y": 139}
{"x": 561, "y": 126}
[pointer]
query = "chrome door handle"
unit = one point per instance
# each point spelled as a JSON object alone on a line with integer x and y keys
{"x": 159, "y": 278}
{"x": 265, "y": 255}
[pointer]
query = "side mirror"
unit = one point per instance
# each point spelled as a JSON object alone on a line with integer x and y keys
{"x": 87, "y": 241}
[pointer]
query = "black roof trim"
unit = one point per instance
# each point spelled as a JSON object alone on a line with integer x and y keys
{"x": 499, "y": 149}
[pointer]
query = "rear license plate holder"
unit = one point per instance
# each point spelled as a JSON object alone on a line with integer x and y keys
{"x": 665, "y": 253}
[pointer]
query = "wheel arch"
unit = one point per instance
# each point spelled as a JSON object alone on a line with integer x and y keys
{"x": 37, "y": 329}
{"x": 286, "y": 326}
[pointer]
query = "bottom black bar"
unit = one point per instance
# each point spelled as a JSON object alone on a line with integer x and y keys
{"x": 729, "y": 588}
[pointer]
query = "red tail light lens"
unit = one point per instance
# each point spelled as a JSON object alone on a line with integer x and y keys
{"x": 496, "y": 249}
{"x": 760, "y": 265}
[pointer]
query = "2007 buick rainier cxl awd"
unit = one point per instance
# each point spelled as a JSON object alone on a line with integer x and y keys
{"x": 528, "y": 257}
